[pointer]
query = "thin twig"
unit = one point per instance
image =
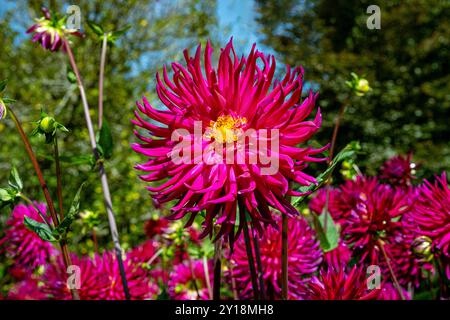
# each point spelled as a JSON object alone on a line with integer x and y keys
{"x": 58, "y": 178}
{"x": 100, "y": 81}
{"x": 262, "y": 290}
{"x": 388, "y": 262}
{"x": 103, "y": 177}
{"x": 217, "y": 270}
{"x": 208, "y": 282}
{"x": 248, "y": 247}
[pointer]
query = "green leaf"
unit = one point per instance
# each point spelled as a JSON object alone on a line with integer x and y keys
{"x": 5, "y": 196}
{"x": 14, "y": 180}
{"x": 96, "y": 28}
{"x": 64, "y": 226}
{"x": 329, "y": 239}
{"x": 105, "y": 141}
{"x": 7, "y": 100}
{"x": 41, "y": 229}
{"x": 71, "y": 76}
{"x": 348, "y": 152}
{"x": 122, "y": 31}
{"x": 3, "y": 85}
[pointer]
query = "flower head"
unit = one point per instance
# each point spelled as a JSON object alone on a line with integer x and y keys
{"x": 398, "y": 171}
{"x": 334, "y": 284}
{"x": 24, "y": 246}
{"x": 3, "y": 109}
{"x": 231, "y": 119}
{"x": 50, "y": 31}
{"x": 432, "y": 213}
{"x": 188, "y": 281}
{"x": 304, "y": 258}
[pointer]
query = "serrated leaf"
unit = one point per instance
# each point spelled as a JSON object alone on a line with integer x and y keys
{"x": 98, "y": 29}
{"x": 14, "y": 179}
{"x": 348, "y": 152}
{"x": 41, "y": 229}
{"x": 3, "y": 84}
{"x": 105, "y": 141}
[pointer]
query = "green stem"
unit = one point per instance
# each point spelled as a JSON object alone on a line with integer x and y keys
{"x": 58, "y": 178}
{"x": 48, "y": 198}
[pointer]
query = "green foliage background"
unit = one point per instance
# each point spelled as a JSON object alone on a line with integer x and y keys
{"x": 406, "y": 63}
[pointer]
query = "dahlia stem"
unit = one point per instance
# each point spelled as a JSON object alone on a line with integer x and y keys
{"x": 48, "y": 198}
{"x": 284, "y": 257}
{"x": 191, "y": 269}
{"x": 388, "y": 262}
{"x": 248, "y": 247}
{"x": 103, "y": 177}
{"x": 233, "y": 282}
{"x": 442, "y": 277}
{"x": 101, "y": 78}
{"x": 58, "y": 178}
{"x": 208, "y": 282}
{"x": 262, "y": 289}
{"x": 217, "y": 268}
{"x": 332, "y": 147}
{"x": 94, "y": 239}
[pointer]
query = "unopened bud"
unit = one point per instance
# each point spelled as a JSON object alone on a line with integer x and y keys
{"x": 47, "y": 124}
{"x": 421, "y": 247}
{"x": 362, "y": 86}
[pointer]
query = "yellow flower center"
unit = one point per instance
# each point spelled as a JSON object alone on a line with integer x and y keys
{"x": 225, "y": 129}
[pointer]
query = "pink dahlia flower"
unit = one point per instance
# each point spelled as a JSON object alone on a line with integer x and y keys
{"x": 50, "y": 31}
{"x": 188, "y": 282}
{"x": 222, "y": 116}
{"x": 29, "y": 289}
{"x": 390, "y": 292}
{"x": 370, "y": 213}
{"x": 398, "y": 171}
{"x": 100, "y": 279}
{"x": 432, "y": 215}
{"x": 304, "y": 258}
{"x": 334, "y": 284}
{"x": 24, "y": 246}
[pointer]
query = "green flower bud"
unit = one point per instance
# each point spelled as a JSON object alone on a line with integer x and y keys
{"x": 422, "y": 248}
{"x": 362, "y": 87}
{"x": 47, "y": 124}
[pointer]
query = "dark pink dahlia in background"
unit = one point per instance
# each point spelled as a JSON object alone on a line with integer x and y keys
{"x": 304, "y": 258}
{"x": 50, "y": 31}
{"x": 27, "y": 250}
{"x": 238, "y": 98}
{"x": 333, "y": 284}
{"x": 398, "y": 171}
{"x": 188, "y": 281}
{"x": 432, "y": 215}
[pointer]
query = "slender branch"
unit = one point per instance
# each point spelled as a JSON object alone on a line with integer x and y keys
{"x": 100, "y": 81}
{"x": 262, "y": 289}
{"x": 233, "y": 282}
{"x": 103, "y": 177}
{"x": 331, "y": 154}
{"x": 388, "y": 262}
{"x": 58, "y": 178}
{"x": 217, "y": 268}
{"x": 208, "y": 282}
{"x": 48, "y": 198}
{"x": 248, "y": 247}
{"x": 94, "y": 239}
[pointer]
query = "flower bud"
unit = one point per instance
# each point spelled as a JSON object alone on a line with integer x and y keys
{"x": 421, "y": 247}
{"x": 47, "y": 124}
{"x": 362, "y": 86}
{"x": 2, "y": 109}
